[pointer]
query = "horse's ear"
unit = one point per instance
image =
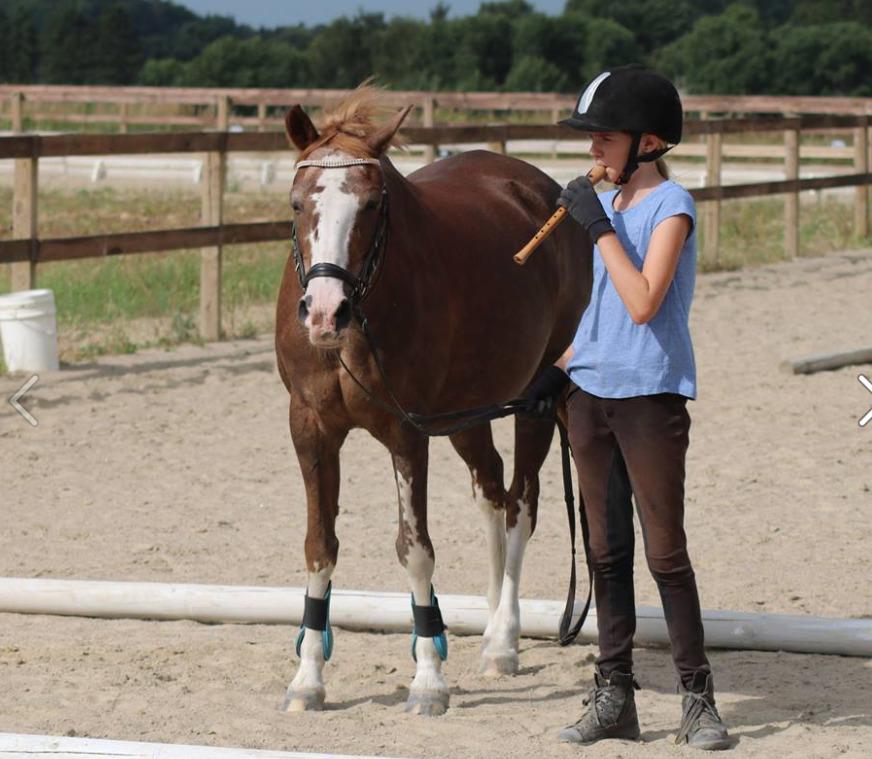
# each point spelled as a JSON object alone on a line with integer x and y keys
{"x": 299, "y": 127}
{"x": 380, "y": 139}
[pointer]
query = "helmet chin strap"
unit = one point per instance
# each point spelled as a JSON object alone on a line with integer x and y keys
{"x": 634, "y": 159}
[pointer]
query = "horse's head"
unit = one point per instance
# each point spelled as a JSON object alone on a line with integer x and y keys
{"x": 339, "y": 202}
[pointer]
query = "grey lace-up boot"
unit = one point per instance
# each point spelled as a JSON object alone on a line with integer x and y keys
{"x": 701, "y": 725}
{"x": 611, "y": 711}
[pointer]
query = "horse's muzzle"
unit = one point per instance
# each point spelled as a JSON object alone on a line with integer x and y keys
{"x": 325, "y": 330}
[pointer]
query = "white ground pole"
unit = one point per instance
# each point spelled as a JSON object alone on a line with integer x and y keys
{"x": 19, "y": 746}
{"x": 391, "y": 612}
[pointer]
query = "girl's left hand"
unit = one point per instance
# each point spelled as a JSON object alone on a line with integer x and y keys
{"x": 583, "y": 204}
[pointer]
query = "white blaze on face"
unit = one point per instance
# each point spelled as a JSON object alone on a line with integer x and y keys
{"x": 336, "y": 209}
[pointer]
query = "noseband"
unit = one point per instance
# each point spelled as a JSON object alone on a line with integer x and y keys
{"x": 359, "y": 285}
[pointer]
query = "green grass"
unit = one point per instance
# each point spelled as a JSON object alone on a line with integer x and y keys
{"x": 111, "y": 293}
{"x": 98, "y": 299}
{"x": 752, "y": 232}
{"x": 101, "y": 301}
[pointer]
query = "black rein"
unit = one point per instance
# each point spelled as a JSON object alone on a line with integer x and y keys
{"x": 359, "y": 288}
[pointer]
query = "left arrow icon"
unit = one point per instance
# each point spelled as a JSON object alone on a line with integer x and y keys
{"x": 22, "y": 391}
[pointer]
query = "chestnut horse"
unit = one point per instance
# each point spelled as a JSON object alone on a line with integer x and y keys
{"x": 426, "y": 262}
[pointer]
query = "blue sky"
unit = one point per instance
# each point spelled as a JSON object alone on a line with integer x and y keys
{"x": 283, "y": 12}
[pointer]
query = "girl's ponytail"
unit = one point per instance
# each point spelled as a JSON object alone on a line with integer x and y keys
{"x": 660, "y": 163}
{"x": 662, "y": 168}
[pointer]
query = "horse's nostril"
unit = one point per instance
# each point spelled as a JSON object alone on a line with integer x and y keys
{"x": 303, "y": 309}
{"x": 343, "y": 315}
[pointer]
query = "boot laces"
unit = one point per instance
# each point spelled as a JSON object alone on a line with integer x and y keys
{"x": 701, "y": 714}
{"x": 607, "y": 700}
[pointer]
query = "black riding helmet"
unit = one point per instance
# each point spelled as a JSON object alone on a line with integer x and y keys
{"x": 630, "y": 99}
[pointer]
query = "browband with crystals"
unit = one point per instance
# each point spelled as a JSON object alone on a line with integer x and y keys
{"x": 339, "y": 163}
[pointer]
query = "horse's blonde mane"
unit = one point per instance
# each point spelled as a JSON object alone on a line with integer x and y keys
{"x": 349, "y": 125}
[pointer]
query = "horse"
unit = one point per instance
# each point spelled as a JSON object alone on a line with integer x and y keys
{"x": 402, "y": 296}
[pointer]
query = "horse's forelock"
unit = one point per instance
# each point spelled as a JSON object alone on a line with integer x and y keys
{"x": 350, "y": 124}
{"x": 342, "y": 142}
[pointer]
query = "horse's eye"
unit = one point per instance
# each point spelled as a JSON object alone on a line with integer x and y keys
{"x": 371, "y": 204}
{"x": 297, "y": 206}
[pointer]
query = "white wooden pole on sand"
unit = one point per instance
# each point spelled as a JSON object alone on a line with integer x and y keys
{"x": 822, "y": 362}
{"x": 22, "y": 746}
{"x": 391, "y": 612}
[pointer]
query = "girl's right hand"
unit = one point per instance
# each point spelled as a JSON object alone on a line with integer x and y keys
{"x": 547, "y": 387}
{"x": 583, "y": 204}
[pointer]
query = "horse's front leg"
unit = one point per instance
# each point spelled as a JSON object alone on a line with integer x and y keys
{"x": 318, "y": 454}
{"x": 428, "y": 694}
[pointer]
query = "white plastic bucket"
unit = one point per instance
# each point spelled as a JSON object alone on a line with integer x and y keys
{"x": 28, "y": 331}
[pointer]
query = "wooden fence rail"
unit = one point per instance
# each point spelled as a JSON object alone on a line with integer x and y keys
{"x": 27, "y": 250}
{"x": 202, "y": 106}
{"x": 46, "y": 146}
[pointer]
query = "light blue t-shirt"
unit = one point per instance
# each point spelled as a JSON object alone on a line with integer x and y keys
{"x": 613, "y": 356}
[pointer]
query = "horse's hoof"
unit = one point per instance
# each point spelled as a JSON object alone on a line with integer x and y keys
{"x": 427, "y": 704}
{"x": 497, "y": 665}
{"x": 308, "y": 700}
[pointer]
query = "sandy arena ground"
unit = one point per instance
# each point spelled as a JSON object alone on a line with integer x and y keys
{"x": 177, "y": 467}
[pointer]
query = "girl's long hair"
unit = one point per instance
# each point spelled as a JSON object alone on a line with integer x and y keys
{"x": 662, "y": 168}
{"x": 660, "y": 163}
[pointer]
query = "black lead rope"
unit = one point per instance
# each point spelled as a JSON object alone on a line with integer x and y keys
{"x": 471, "y": 417}
{"x": 565, "y": 633}
{"x": 422, "y": 422}
{"x": 360, "y": 287}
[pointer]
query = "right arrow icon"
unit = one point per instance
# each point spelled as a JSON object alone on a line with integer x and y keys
{"x": 867, "y": 417}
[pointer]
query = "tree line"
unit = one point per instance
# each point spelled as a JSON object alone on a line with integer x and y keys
{"x": 791, "y": 47}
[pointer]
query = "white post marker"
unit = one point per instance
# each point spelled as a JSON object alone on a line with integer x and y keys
{"x": 22, "y": 746}
{"x": 99, "y": 170}
{"x": 867, "y": 417}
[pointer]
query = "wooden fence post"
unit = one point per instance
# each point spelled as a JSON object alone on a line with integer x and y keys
{"x": 212, "y": 214}
{"x": 222, "y": 113}
{"x": 791, "y": 202}
{"x": 16, "y": 111}
{"x": 861, "y": 196}
{"x": 555, "y": 117}
{"x": 712, "y": 225}
{"x": 497, "y": 146}
{"x": 123, "y": 113}
{"x": 429, "y": 115}
{"x": 261, "y": 117}
{"x": 24, "y": 219}
{"x": 869, "y": 150}
{"x": 24, "y": 203}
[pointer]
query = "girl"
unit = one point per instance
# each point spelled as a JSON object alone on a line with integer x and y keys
{"x": 632, "y": 370}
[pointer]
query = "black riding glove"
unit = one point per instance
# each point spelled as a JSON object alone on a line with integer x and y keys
{"x": 546, "y": 388}
{"x": 582, "y": 203}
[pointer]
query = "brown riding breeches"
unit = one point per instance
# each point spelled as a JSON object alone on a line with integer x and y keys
{"x": 625, "y": 447}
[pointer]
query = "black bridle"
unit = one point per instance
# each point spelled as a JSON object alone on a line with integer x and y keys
{"x": 361, "y": 284}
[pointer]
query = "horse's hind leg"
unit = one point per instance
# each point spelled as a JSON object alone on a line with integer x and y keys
{"x": 532, "y": 439}
{"x": 476, "y": 448}
{"x": 428, "y": 693}
{"x": 318, "y": 455}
